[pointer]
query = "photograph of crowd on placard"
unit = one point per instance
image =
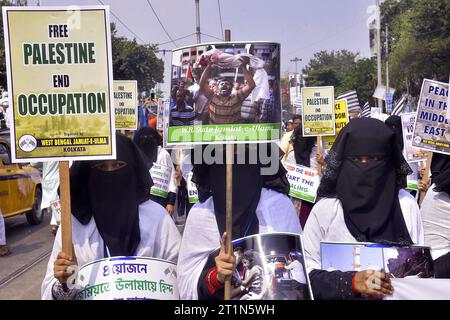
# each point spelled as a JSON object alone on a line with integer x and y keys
{"x": 225, "y": 84}
{"x": 268, "y": 267}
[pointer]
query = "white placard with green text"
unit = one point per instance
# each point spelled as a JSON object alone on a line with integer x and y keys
{"x": 161, "y": 179}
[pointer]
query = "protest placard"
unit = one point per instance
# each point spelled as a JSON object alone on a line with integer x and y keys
{"x": 341, "y": 120}
{"x": 128, "y": 278}
{"x": 278, "y": 261}
{"x": 318, "y": 111}
{"x": 412, "y": 180}
{"x": 401, "y": 262}
{"x": 160, "y": 116}
{"x": 448, "y": 102}
{"x": 432, "y": 130}
{"x": 303, "y": 182}
{"x": 61, "y": 114}
{"x": 125, "y": 104}
{"x": 191, "y": 189}
{"x": 412, "y": 154}
{"x": 235, "y": 97}
{"x": 55, "y": 206}
{"x": 161, "y": 179}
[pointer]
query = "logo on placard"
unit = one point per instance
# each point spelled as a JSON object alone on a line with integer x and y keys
{"x": 417, "y": 140}
{"x": 307, "y": 130}
{"x": 27, "y": 143}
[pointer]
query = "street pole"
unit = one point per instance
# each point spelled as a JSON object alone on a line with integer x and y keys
{"x": 378, "y": 27}
{"x": 197, "y": 20}
{"x": 296, "y": 72}
{"x": 387, "y": 70}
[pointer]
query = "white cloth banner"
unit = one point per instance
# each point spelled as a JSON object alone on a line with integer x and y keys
{"x": 128, "y": 278}
{"x": 420, "y": 289}
{"x": 412, "y": 179}
{"x": 55, "y": 206}
{"x": 192, "y": 189}
{"x": 161, "y": 179}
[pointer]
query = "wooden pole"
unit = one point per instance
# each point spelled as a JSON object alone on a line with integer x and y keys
{"x": 229, "y": 199}
{"x": 229, "y": 211}
{"x": 319, "y": 154}
{"x": 178, "y": 169}
{"x": 66, "y": 222}
{"x": 425, "y": 177}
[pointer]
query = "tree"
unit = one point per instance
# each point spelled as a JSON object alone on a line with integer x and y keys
{"x": 343, "y": 70}
{"x": 362, "y": 77}
{"x": 420, "y": 41}
{"x": 133, "y": 61}
{"x": 329, "y": 68}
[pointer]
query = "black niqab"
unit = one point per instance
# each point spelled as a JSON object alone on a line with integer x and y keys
{"x": 148, "y": 140}
{"x": 395, "y": 124}
{"x": 302, "y": 147}
{"x": 112, "y": 198}
{"x": 368, "y": 191}
{"x": 246, "y": 192}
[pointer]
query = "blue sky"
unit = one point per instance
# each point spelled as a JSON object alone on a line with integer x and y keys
{"x": 303, "y": 27}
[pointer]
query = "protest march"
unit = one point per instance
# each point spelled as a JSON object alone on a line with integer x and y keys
{"x": 175, "y": 169}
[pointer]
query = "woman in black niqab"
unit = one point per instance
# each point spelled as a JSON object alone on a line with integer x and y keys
{"x": 148, "y": 139}
{"x": 365, "y": 171}
{"x": 112, "y": 198}
{"x": 247, "y": 185}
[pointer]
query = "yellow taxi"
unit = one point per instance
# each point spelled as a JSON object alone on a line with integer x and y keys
{"x": 20, "y": 186}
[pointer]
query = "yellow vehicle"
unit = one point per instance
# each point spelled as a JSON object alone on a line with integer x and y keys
{"x": 20, "y": 187}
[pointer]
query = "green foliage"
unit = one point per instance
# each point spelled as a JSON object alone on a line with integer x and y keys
{"x": 420, "y": 41}
{"x": 133, "y": 61}
{"x": 329, "y": 68}
{"x": 343, "y": 70}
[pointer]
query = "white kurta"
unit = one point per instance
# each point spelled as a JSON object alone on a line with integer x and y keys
{"x": 275, "y": 213}
{"x": 50, "y": 183}
{"x": 436, "y": 221}
{"x": 313, "y": 164}
{"x": 2, "y": 229}
{"x": 326, "y": 223}
{"x": 160, "y": 238}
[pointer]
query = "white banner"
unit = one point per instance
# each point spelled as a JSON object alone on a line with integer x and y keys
{"x": 411, "y": 153}
{"x": 420, "y": 289}
{"x": 303, "y": 182}
{"x": 192, "y": 189}
{"x": 160, "y": 120}
{"x": 128, "y": 278}
{"x": 432, "y": 129}
{"x": 412, "y": 179}
{"x": 161, "y": 179}
{"x": 55, "y": 206}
